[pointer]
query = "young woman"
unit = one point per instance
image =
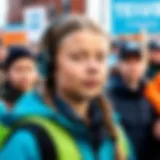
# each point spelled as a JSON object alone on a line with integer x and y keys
{"x": 72, "y": 120}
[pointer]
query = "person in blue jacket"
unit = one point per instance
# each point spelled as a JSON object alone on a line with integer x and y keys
{"x": 21, "y": 76}
{"x": 72, "y": 119}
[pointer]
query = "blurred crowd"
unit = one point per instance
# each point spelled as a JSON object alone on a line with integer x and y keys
{"x": 132, "y": 87}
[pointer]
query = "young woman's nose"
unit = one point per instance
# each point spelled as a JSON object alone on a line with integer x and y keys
{"x": 93, "y": 66}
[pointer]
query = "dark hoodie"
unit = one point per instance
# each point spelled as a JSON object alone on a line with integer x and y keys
{"x": 136, "y": 115}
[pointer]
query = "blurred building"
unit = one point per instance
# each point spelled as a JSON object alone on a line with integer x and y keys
{"x": 22, "y": 27}
{"x": 53, "y": 7}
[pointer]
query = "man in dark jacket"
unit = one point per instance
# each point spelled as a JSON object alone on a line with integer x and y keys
{"x": 128, "y": 99}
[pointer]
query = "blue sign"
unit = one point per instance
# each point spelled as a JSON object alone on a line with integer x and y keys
{"x": 133, "y": 16}
{"x": 34, "y": 22}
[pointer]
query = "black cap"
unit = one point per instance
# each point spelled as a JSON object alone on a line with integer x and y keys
{"x": 16, "y": 53}
{"x": 130, "y": 49}
{"x": 154, "y": 45}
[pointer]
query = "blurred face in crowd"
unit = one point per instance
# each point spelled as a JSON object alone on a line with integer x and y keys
{"x": 81, "y": 64}
{"x": 22, "y": 74}
{"x": 155, "y": 57}
{"x": 133, "y": 68}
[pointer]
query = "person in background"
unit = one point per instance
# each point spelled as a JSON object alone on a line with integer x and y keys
{"x": 154, "y": 53}
{"x": 128, "y": 99}
{"x": 152, "y": 93}
{"x": 21, "y": 76}
{"x": 72, "y": 119}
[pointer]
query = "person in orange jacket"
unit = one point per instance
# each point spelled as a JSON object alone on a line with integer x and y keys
{"x": 152, "y": 92}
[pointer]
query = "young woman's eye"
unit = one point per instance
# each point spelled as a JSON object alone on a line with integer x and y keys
{"x": 76, "y": 56}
